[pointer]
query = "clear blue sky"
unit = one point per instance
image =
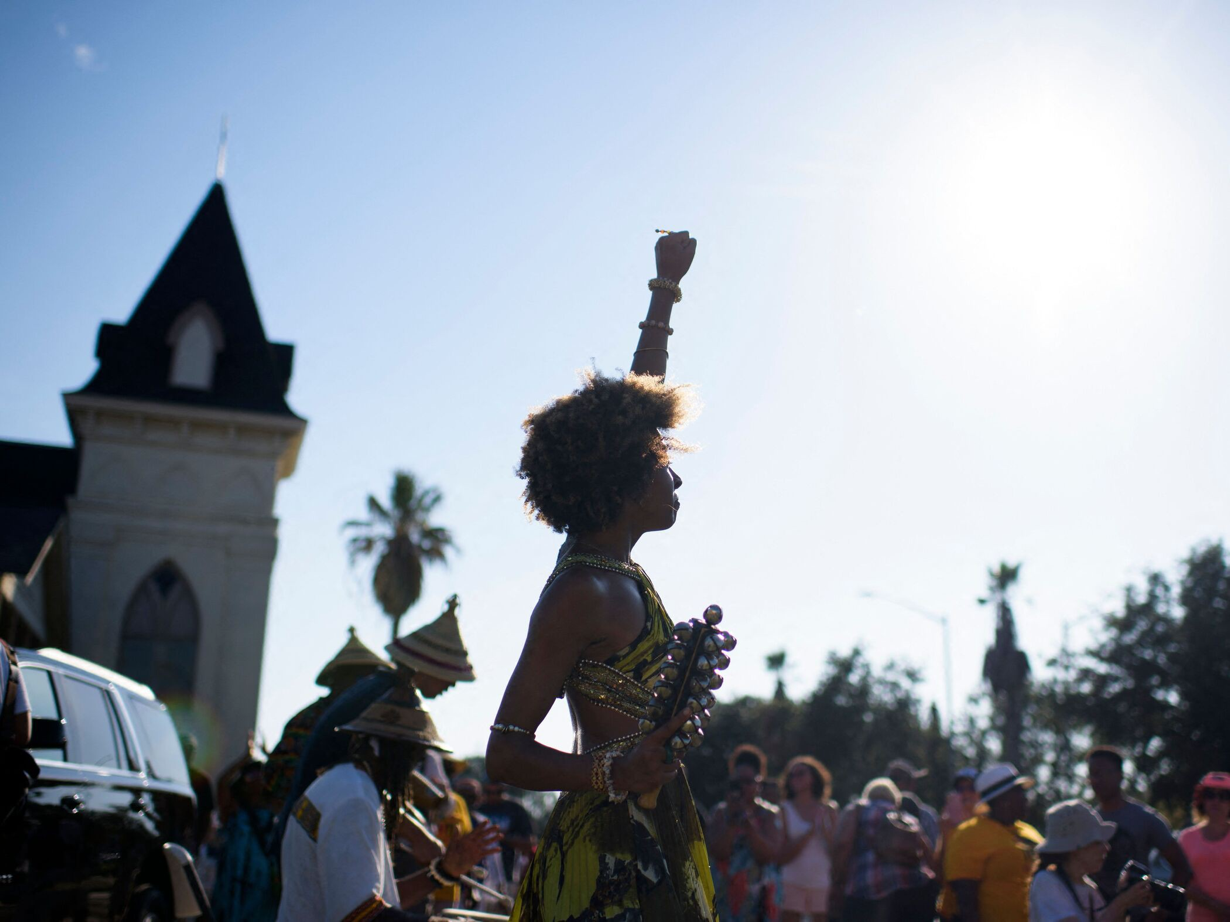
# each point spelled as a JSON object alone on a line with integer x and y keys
{"x": 960, "y": 292}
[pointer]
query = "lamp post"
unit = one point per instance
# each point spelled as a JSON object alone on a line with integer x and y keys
{"x": 934, "y": 618}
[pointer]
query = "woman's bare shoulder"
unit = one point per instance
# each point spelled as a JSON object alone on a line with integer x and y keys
{"x": 581, "y": 599}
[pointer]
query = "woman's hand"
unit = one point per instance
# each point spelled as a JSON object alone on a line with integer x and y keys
{"x": 674, "y": 254}
{"x": 1136, "y": 895}
{"x": 647, "y": 768}
{"x": 466, "y": 851}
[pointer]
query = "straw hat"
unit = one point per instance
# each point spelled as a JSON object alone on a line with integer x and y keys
{"x": 398, "y": 715}
{"x": 354, "y": 655}
{"x": 436, "y": 649}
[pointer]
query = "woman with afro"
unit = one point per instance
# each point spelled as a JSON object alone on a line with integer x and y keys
{"x": 596, "y": 466}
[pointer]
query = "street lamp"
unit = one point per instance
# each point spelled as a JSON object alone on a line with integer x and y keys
{"x": 942, "y": 621}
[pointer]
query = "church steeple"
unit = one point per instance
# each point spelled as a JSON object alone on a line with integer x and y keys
{"x": 196, "y": 335}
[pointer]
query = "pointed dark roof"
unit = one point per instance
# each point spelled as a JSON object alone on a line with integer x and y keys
{"x": 134, "y": 359}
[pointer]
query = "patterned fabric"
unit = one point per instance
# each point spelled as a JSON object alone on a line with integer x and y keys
{"x": 280, "y": 769}
{"x": 606, "y": 686}
{"x": 870, "y": 876}
{"x": 367, "y": 910}
{"x": 306, "y": 814}
{"x": 747, "y": 891}
{"x": 603, "y": 861}
{"x": 246, "y": 889}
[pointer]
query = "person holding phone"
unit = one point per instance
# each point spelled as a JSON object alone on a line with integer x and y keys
{"x": 745, "y": 839}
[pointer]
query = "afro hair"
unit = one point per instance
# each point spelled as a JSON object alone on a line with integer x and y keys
{"x": 590, "y": 452}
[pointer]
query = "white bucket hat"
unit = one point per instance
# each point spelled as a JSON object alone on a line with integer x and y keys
{"x": 1071, "y": 825}
{"x": 999, "y": 779}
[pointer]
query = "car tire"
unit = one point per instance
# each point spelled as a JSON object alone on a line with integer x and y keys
{"x": 149, "y": 905}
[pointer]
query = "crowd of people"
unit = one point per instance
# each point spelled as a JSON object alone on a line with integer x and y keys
{"x": 781, "y": 849}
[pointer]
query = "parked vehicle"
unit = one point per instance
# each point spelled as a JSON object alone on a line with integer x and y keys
{"x": 113, "y": 790}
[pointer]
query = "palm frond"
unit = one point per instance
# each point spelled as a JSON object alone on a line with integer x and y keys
{"x": 377, "y": 511}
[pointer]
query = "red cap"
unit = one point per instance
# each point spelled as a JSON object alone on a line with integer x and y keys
{"x": 1218, "y": 781}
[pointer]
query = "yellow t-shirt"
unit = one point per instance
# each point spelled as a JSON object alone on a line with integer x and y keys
{"x": 1000, "y": 858}
{"x": 457, "y": 824}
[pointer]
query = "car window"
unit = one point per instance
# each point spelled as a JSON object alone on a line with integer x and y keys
{"x": 159, "y": 740}
{"x": 93, "y": 736}
{"x": 43, "y": 704}
{"x": 43, "y": 701}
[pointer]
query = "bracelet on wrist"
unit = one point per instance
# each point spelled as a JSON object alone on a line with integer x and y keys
{"x": 667, "y": 285}
{"x": 437, "y": 873}
{"x": 608, "y": 783}
{"x": 596, "y": 780}
{"x": 511, "y": 728}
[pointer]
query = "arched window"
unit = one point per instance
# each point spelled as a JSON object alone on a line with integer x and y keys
{"x": 158, "y": 646}
{"x": 196, "y": 340}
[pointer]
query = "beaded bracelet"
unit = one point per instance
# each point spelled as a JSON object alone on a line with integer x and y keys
{"x": 596, "y": 780}
{"x": 668, "y": 285}
{"x": 510, "y": 728}
{"x": 437, "y": 873}
{"x": 614, "y": 796}
{"x": 656, "y": 325}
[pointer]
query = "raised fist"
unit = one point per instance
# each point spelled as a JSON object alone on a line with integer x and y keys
{"x": 674, "y": 254}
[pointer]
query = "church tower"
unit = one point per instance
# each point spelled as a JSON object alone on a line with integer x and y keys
{"x": 183, "y": 434}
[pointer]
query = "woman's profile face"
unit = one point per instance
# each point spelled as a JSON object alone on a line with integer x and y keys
{"x": 660, "y": 504}
{"x": 1091, "y": 857}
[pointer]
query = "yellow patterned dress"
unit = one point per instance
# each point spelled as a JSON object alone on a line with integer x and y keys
{"x": 617, "y": 862}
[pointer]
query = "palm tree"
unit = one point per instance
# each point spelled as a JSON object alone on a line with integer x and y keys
{"x": 402, "y": 540}
{"x": 776, "y": 664}
{"x": 1006, "y": 667}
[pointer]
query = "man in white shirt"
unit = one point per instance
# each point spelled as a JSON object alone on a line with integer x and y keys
{"x": 336, "y": 861}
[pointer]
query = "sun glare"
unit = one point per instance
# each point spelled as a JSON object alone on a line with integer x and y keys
{"x": 1045, "y": 194}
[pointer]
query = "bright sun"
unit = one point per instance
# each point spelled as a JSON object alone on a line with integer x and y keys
{"x": 1043, "y": 190}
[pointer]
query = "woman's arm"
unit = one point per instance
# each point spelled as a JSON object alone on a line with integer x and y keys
{"x": 720, "y": 833}
{"x": 674, "y": 253}
{"x": 764, "y": 834}
{"x": 791, "y": 847}
{"x": 566, "y": 622}
{"x": 1202, "y": 898}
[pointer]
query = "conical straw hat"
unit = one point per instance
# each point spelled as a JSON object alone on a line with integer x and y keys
{"x": 398, "y": 715}
{"x": 436, "y": 649}
{"x": 354, "y": 655}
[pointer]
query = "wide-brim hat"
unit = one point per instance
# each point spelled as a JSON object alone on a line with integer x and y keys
{"x": 355, "y": 655}
{"x": 436, "y": 649}
{"x": 1073, "y": 824}
{"x": 1000, "y": 779}
{"x": 398, "y": 715}
{"x": 906, "y": 767}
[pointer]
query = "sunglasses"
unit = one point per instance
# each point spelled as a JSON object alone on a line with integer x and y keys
{"x": 1219, "y": 794}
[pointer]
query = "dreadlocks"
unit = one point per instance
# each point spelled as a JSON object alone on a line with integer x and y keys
{"x": 390, "y": 765}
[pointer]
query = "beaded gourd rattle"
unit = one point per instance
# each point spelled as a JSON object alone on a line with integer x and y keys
{"x": 695, "y": 654}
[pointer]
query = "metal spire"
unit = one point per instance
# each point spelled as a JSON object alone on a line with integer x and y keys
{"x": 220, "y": 169}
